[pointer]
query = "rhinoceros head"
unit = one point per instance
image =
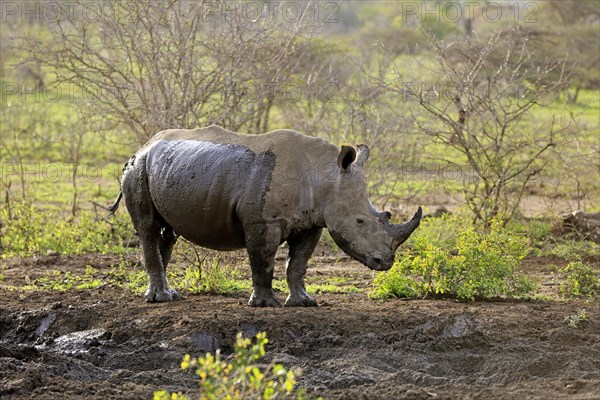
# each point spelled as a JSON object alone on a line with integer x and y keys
{"x": 356, "y": 227}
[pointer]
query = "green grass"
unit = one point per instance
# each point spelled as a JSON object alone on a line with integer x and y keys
{"x": 61, "y": 281}
{"x": 332, "y": 285}
{"x": 212, "y": 277}
{"x": 587, "y": 108}
{"x": 537, "y": 230}
{"x": 575, "y": 250}
{"x": 29, "y": 231}
{"x": 320, "y": 288}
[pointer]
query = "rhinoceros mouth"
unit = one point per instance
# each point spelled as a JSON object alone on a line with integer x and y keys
{"x": 379, "y": 264}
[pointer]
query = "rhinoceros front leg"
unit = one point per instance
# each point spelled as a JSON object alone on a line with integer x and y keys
{"x": 301, "y": 246}
{"x": 262, "y": 241}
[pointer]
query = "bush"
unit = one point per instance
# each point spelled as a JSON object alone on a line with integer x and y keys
{"x": 242, "y": 378}
{"x": 28, "y": 231}
{"x": 580, "y": 280}
{"x": 483, "y": 266}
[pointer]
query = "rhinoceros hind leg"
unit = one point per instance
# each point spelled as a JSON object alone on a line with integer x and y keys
{"x": 148, "y": 224}
{"x": 153, "y": 295}
{"x": 300, "y": 301}
{"x": 168, "y": 237}
{"x": 302, "y": 246}
{"x": 158, "y": 291}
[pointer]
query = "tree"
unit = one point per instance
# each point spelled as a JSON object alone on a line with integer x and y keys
{"x": 480, "y": 108}
{"x": 157, "y": 65}
{"x": 569, "y": 29}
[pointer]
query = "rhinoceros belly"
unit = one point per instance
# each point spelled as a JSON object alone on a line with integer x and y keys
{"x": 207, "y": 191}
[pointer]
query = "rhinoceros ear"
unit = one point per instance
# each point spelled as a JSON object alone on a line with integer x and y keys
{"x": 346, "y": 157}
{"x": 363, "y": 154}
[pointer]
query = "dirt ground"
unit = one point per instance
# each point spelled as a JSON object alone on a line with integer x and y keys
{"x": 108, "y": 343}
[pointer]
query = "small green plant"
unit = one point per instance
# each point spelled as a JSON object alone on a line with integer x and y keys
{"x": 484, "y": 266}
{"x": 242, "y": 378}
{"x": 580, "y": 280}
{"x": 575, "y": 320}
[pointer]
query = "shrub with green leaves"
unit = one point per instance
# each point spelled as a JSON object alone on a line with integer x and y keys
{"x": 28, "y": 231}
{"x": 242, "y": 378}
{"x": 484, "y": 266}
{"x": 580, "y": 280}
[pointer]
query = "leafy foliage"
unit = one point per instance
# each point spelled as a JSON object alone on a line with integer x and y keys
{"x": 580, "y": 280}
{"x": 27, "y": 232}
{"x": 484, "y": 266}
{"x": 244, "y": 377}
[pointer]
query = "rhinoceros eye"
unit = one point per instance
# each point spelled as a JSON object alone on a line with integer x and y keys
{"x": 360, "y": 221}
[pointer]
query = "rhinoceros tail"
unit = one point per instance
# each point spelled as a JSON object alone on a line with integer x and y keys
{"x": 113, "y": 208}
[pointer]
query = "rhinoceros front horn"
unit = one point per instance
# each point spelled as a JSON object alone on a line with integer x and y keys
{"x": 401, "y": 232}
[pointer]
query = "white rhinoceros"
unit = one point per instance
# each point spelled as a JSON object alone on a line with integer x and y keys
{"x": 223, "y": 190}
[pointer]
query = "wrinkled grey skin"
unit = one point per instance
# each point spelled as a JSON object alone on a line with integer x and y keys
{"x": 225, "y": 191}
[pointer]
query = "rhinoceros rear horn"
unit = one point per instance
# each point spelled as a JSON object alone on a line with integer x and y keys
{"x": 403, "y": 231}
{"x": 363, "y": 154}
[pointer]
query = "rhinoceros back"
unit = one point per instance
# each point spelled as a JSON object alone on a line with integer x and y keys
{"x": 208, "y": 191}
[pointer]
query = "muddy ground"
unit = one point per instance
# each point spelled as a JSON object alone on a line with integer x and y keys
{"x": 107, "y": 343}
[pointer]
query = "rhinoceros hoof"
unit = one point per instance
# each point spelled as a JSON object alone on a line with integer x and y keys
{"x": 157, "y": 296}
{"x": 263, "y": 301}
{"x": 300, "y": 301}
